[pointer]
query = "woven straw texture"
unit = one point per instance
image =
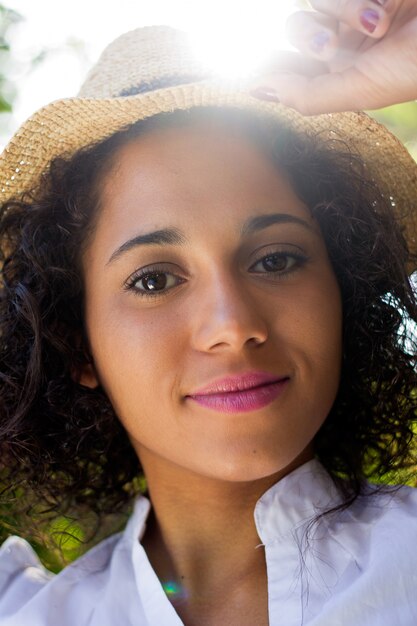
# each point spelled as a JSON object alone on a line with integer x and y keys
{"x": 137, "y": 61}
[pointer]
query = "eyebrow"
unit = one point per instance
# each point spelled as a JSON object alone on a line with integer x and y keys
{"x": 259, "y": 222}
{"x": 162, "y": 237}
{"x": 174, "y": 237}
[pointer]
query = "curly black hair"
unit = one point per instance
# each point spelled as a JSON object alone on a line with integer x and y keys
{"x": 62, "y": 448}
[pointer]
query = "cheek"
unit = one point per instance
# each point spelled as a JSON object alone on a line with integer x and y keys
{"x": 319, "y": 337}
{"x": 134, "y": 352}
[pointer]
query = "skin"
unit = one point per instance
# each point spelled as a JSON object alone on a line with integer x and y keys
{"x": 224, "y": 314}
{"x": 346, "y": 63}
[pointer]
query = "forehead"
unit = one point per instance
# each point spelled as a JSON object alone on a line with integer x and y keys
{"x": 204, "y": 180}
{"x": 189, "y": 146}
{"x": 202, "y": 163}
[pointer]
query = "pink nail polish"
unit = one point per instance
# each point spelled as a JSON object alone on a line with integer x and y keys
{"x": 369, "y": 20}
{"x": 265, "y": 93}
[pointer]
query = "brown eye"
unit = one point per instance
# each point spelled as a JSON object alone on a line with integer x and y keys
{"x": 278, "y": 263}
{"x": 153, "y": 282}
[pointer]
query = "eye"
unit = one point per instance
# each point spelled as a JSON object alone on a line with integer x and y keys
{"x": 279, "y": 263}
{"x": 152, "y": 281}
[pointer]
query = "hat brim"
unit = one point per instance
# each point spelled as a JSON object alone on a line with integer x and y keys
{"x": 65, "y": 126}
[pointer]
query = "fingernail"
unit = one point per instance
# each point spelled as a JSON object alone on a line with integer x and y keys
{"x": 369, "y": 20}
{"x": 380, "y": 2}
{"x": 265, "y": 93}
{"x": 319, "y": 42}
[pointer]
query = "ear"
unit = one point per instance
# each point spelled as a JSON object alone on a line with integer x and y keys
{"x": 86, "y": 375}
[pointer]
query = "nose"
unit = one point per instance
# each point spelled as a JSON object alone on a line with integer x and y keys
{"x": 228, "y": 317}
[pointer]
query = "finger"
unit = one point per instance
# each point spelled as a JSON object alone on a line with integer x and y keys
{"x": 371, "y": 17}
{"x": 288, "y": 61}
{"x": 282, "y": 63}
{"x": 313, "y": 34}
{"x": 326, "y": 93}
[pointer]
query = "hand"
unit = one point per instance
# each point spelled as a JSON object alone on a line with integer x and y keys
{"x": 354, "y": 54}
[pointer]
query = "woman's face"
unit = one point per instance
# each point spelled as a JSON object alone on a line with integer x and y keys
{"x": 205, "y": 266}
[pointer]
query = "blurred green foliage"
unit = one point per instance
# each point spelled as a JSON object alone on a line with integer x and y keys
{"x": 401, "y": 119}
{"x": 8, "y": 18}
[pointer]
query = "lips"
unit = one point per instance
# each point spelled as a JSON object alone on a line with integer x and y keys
{"x": 235, "y": 394}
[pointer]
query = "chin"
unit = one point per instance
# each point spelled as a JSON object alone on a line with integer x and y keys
{"x": 255, "y": 467}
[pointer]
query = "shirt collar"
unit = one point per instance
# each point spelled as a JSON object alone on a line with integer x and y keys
{"x": 294, "y": 500}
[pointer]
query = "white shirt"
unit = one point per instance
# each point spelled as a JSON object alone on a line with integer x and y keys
{"x": 358, "y": 569}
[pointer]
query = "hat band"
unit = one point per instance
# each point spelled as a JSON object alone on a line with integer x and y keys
{"x": 161, "y": 83}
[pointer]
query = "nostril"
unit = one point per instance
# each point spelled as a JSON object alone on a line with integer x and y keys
{"x": 256, "y": 341}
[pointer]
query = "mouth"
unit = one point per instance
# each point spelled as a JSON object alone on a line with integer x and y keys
{"x": 238, "y": 394}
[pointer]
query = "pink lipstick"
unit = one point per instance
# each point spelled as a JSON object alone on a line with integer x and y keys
{"x": 237, "y": 394}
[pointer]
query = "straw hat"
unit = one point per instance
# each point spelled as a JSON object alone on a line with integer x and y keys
{"x": 153, "y": 70}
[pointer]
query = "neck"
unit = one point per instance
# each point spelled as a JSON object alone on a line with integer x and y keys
{"x": 201, "y": 534}
{"x": 206, "y": 551}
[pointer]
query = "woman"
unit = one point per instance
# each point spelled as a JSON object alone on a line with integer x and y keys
{"x": 211, "y": 290}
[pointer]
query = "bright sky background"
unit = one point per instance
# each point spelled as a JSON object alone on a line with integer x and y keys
{"x": 232, "y": 33}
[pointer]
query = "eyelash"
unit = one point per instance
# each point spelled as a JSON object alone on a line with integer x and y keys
{"x": 299, "y": 260}
{"x": 153, "y": 270}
